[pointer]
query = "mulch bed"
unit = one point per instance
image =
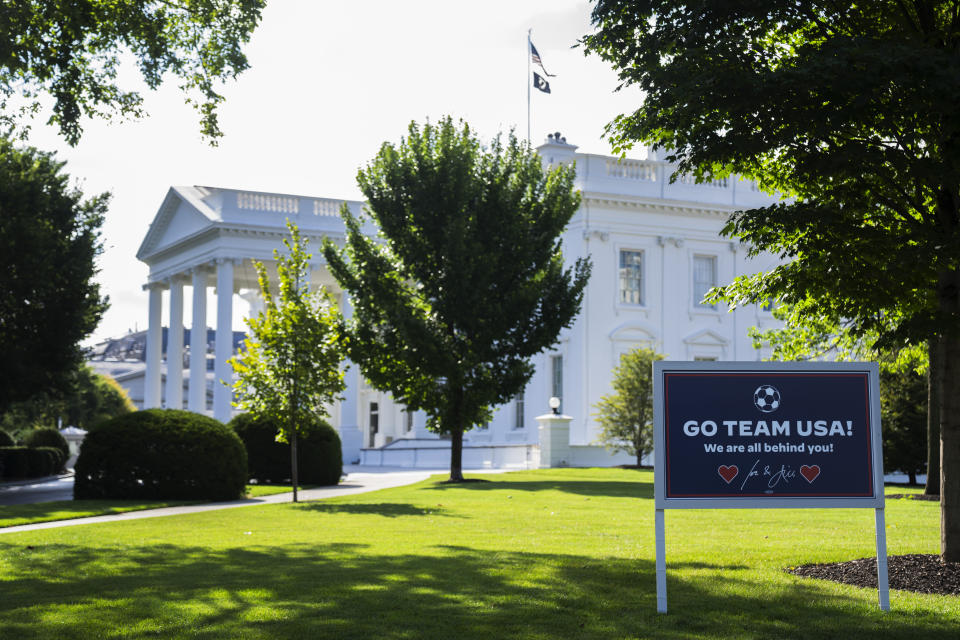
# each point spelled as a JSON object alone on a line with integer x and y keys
{"x": 923, "y": 573}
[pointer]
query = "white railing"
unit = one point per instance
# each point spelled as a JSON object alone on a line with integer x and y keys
{"x": 722, "y": 183}
{"x": 267, "y": 202}
{"x": 326, "y": 207}
{"x": 631, "y": 170}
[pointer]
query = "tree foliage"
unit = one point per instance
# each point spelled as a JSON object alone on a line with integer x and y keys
{"x": 49, "y": 241}
{"x": 626, "y": 415}
{"x": 88, "y": 399}
{"x": 73, "y": 51}
{"x": 289, "y": 370}
{"x": 903, "y": 406}
{"x": 846, "y": 108}
{"x": 467, "y": 281}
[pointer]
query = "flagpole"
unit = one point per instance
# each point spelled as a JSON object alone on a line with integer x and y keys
{"x": 528, "y": 84}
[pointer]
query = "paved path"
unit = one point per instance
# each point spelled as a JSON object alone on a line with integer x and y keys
{"x": 49, "y": 489}
{"x": 358, "y": 480}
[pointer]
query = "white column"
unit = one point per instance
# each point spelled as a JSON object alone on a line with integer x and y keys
{"x": 351, "y": 436}
{"x": 174, "y": 395}
{"x": 198, "y": 343}
{"x": 151, "y": 383}
{"x": 223, "y": 372}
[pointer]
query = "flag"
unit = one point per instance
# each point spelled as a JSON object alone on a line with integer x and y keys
{"x": 535, "y": 56}
{"x": 540, "y": 83}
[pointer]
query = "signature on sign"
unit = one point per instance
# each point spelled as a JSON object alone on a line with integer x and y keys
{"x": 774, "y": 477}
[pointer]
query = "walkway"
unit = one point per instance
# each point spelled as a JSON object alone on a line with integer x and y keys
{"x": 358, "y": 480}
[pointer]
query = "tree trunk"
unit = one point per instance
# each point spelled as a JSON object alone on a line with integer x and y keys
{"x": 293, "y": 460}
{"x": 456, "y": 455}
{"x": 934, "y": 388}
{"x": 912, "y": 478}
{"x": 949, "y": 294}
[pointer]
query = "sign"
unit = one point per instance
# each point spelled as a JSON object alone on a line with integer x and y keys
{"x": 767, "y": 434}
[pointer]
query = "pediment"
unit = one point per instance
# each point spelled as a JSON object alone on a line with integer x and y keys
{"x": 706, "y": 338}
{"x": 180, "y": 216}
{"x": 634, "y": 332}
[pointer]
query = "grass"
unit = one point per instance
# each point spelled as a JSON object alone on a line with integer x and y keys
{"x": 537, "y": 555}
{"x": 13, "y": 515}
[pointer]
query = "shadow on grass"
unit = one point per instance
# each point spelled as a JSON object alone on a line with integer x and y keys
{"x": 613, "y": 489}
{"x": 386, "y": 509}
{"x": 69, "y": 509}
{"x": 345, "y": 591}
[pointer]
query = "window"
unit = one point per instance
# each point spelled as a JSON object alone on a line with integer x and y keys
{"x": 768, "y": 306}
{"x": 518, "y": 403}
{"x": 556, "y": 370}
{"x": 704, "y": 278}
{"x": 631, "y": 277}
{"x": 409, "y": 420}
{"x": 374, "y": 422}
{"x": 704, "y": 359}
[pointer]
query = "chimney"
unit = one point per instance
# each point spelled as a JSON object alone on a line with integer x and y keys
{"x": 556, "y": 150}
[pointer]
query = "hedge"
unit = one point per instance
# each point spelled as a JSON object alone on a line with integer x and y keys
{"x": 319, "y": 454}
{"x": 6, "y": 440}
{"x": 14, "y": 462}
{"x": 49, "y": 437}
{"x": 165, "y": 454}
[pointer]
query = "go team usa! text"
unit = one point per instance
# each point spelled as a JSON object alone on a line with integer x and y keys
{"x": 749, "y": 428}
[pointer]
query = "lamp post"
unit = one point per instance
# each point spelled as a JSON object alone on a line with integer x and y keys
{"x": 555, "y": 405}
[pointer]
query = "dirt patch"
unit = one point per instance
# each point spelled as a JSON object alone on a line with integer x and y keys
{"x": 923, "y": 573}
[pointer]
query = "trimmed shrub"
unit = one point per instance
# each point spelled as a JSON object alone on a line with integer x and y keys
{"x": 319, "y": 454}
{"x": 6, "y": 440}
{"x": 164, "y": 454}
{"x": 14, "y": 462}
{"x": 49, "y": 437}
{"x": 44, "y": 461}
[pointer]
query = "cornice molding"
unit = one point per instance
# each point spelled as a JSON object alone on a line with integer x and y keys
{"x": 658, "y": 206}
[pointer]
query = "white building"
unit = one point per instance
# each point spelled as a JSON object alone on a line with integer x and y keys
{"x": 656, "y": 248}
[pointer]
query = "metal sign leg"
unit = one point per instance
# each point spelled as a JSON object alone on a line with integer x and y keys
{"x": 662, "y": 562}
{"x": 883, "y": 588}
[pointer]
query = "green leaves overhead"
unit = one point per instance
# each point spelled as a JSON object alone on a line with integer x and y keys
{"x": 73, "y": 50}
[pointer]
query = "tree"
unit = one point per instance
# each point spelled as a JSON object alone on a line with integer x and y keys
{"x": 848, "y": 110}
{"x": 903, "y": 405}
{"x": 72, "y": 52}
{"x": 88, "y": 399}
{"x": 468, "y": 281}
{"x": 626, "y": 415}
{"x": 805, "y": 336}
{"x": 49, "y": 241}
{"x": 289, "y": 371}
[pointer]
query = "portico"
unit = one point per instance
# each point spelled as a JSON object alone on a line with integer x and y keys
{"x": 205, "y": 237}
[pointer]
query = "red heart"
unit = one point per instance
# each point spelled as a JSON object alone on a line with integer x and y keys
{"x": 728, "y": 473}
{"x": 811, "y": 472}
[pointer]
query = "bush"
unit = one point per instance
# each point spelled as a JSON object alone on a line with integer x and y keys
{"x": 319, "y": 454}
{"x": 164, "y": 454}
{"x": 6, "y": 440}
{"x": 49, "y": 437}
{"x": 14, "y": 462}
{"x": 43, "y": 461}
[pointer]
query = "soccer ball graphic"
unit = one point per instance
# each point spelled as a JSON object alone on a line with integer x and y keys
{"x": 766, "y": 398}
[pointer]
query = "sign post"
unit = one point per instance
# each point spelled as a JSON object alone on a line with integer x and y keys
{"x": 734, "y": 435}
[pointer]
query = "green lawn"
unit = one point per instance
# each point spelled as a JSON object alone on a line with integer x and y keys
{"x": 14, "y": 515}
{"x": 541, "y": 554}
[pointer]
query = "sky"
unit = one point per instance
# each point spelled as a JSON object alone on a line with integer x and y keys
{"x": 328, "y": 83}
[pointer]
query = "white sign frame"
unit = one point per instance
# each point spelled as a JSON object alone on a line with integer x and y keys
{"x": 662, "y": 502}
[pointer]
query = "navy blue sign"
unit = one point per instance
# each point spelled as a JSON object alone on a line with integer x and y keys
{"x": 766, "y": 434}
